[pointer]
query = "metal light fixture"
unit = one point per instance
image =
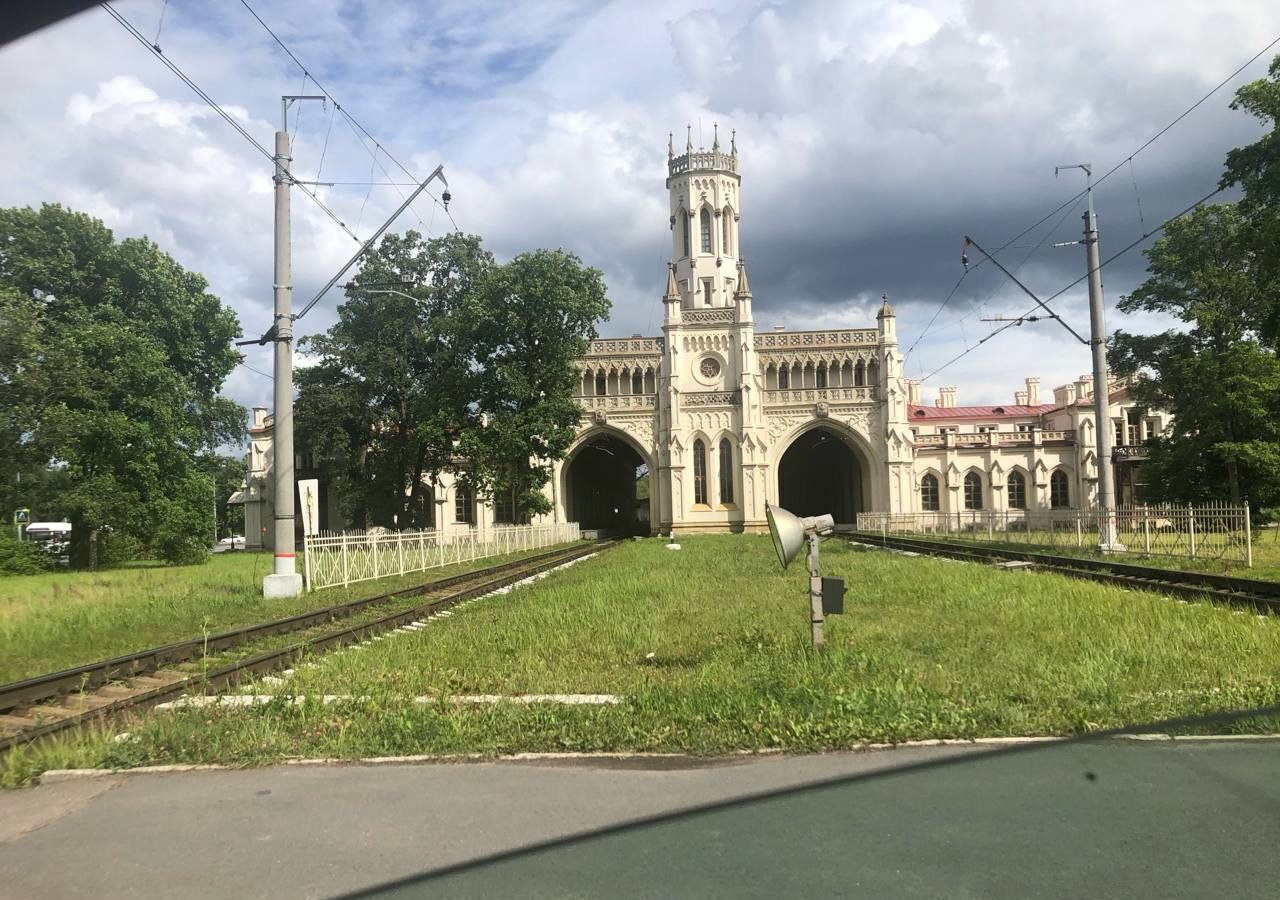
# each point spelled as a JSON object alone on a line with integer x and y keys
{"x": 791, "y": 532}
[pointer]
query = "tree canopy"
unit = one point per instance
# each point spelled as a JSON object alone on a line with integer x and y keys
{"x": 1213, "y": 374}
{"x": 443, "y": 361}
{"x": 111, "y": 359}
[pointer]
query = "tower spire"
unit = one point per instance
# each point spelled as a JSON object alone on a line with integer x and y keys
{"x": 744, "y": 288}
{"x": 672, "y": 293}
{"x": 733, "y": 142}
{"x": 688, "y": 138}
{"x": 670, "y": 152}
{"x": 715, "y": 141}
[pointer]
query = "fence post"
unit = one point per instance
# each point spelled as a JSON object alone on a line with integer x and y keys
{"x": 1079, "y": 528}
{"x": 345, "y": 577}
{"x": 1191, "y": 519}
{"x": 306, "y": 560}
{"x": 1248, "y": 538}
{"x": 1146, "y": 530}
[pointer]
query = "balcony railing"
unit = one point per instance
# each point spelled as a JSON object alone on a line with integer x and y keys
{"x": 620, "y": 402}
{"x": 790, "y": 396}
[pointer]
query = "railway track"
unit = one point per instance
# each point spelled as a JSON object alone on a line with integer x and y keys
{"x": 47, "y": 704}
{"x": 1262, "y": 596}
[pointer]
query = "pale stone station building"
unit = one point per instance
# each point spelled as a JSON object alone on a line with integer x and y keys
{"x": 696, "y": 429}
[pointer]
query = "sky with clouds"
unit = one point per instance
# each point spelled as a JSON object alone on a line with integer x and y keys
{"x": 872, "y": 137}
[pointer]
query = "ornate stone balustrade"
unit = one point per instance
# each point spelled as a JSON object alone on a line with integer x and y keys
{"x": 620, "y": 402}
{"x": 791, "y": 340}
{"x": 994, "y": 439}
{"x": 800, "y": 396}
{"x": 627, "y": 346}
{"x": 720, "y": 316}
{"x": 702, "y": 159}
{"x": 710, "y": 398}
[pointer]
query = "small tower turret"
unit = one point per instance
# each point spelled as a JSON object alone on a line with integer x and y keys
{"x": 703, "y": 188}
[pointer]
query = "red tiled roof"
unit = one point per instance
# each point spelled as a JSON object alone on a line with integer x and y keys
{"x": 1011, "y": 411}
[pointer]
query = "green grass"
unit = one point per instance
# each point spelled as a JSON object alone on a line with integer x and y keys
{"x": 708, "y": 647}
{"x": 60, "y": 619}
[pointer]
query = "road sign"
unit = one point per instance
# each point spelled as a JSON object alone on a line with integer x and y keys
{"x": 21, "y": 516}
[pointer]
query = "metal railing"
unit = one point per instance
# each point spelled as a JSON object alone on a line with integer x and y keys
{"x": 333, "y": 558}
{"x": 1205, "y": 531}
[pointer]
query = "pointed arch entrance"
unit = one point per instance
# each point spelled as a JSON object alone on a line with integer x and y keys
{"x": 822, "y": 472}
{"x": 606, "y": 485}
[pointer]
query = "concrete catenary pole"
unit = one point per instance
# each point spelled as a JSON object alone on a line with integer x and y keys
{"x": 1107, "y": 536}
{"x": 285, "y": 581}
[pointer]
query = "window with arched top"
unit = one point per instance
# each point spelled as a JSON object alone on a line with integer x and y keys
{"x": 726, "y": 471}
{"x": 860, "y": 374}
{"x": 972, "y": 491}
{"x": 705, "y": 219}
{"x": 637, "y": 382}
{"x": 726, "y": 239}
{"x": 929, "y": 493}
{"x": 684, "y": 234}
{"x": 820, "y": 376}
{"x": 600, "y": 384}
{"x": 784, "y": 377}
{"x": 699, "y": 472}
{"x": 1016, "y": 484}
{"x": 1059, "y": 490}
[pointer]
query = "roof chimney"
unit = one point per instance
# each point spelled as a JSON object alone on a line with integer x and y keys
{"x": 259, "y": 416}
{"x": 1084, "y": 388}
{"x": 1064, "y": 395}
{"x": 1020, "y": 398}
{"x": 1033, "y": 392}
{"x": 913, "y": 392}
{"x": 779, "y": 327}
{"x": 946, "y": 397}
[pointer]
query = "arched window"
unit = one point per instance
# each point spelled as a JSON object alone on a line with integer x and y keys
{"x": 464, "y": 507}
{"x": 1017, "y": 485}
{"x": 820, "y": 376}
{"x": 684, "y": 233}
{"x": 972, "y": 491}
{"x": 706, "y": 230}
{"x": 726, "y": 471}
{"x": 726, "y": 239}
{"x": 699, "y": 472}
{"x": 637, "y": 382}
{"x": 1059, "y": 490}
{"x": 859, "y": 374}
{"x": 784, "y": 377}
{"x": 600, "y": 384}
{"x": 929, "y": 493}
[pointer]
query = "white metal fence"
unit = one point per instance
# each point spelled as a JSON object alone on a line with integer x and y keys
{"x": 1206, "y": 531}
{"x": 333, "y": 558}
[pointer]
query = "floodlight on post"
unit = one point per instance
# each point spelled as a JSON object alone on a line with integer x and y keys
{"x": 791, "y": 532}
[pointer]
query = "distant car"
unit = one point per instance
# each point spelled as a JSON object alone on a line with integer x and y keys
{"x": 231, "y": 542}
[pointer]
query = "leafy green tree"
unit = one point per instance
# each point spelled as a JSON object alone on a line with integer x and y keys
{"x": 442, "y": 361}
{"x": 1256, "y": 169}
{"x": 388, "y": 396}
{"x": 1221, "y": 384}
{"x": 531, "y": 318}
{"x": 118, "y": 357}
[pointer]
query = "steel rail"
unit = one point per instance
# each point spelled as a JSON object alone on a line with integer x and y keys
{"x": 95, "y": 674}
{"x": 1258, "y": 594}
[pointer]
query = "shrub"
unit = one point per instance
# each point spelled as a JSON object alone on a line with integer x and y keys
{"x": 115, "y": 548}
{"x": 21, "y": 557}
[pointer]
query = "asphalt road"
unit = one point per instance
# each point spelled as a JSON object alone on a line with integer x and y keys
{"x": 1110, "y": 819}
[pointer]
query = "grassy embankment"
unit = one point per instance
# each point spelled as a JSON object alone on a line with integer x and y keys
{"x": 60, "y": 619}
{"x": 707, "y": 648}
